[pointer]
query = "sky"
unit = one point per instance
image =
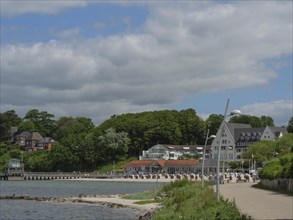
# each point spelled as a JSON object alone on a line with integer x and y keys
{"x": 95, "y": 58}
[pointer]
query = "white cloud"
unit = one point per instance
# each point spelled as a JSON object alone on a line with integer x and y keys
{"x": 184, "y": 50}
{"x": 281, "y": 110}
{"x": 12, "y": 8}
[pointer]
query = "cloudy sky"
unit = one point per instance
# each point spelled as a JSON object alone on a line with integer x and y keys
{"x": 96, "y": 59}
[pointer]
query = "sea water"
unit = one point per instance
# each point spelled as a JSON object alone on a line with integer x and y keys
{"x": 35, "y": 210}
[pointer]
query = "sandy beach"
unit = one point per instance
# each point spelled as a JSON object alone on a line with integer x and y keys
{"x": 117, "y": 201}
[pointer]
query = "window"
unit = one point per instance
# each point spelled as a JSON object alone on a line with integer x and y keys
{"x": 238, "y": 157}
{"x": 238, "y": 150}
{"x": 216, "y": 156}
{"x": 231, "y": 156}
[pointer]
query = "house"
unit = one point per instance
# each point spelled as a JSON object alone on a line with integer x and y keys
{"x": 19, "y": 139}
{"x": 14, "y": 167}
{"x": 236, "y": 138}
{"x": 45, "y": 144}
{"x": 162, "y": 166}
{"x": 32, "y": 141}
{"x": 170, "y": 152}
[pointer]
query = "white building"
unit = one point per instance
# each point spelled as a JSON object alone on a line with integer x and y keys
{"x": 236, "y": 138}
{"x": 170, "y": 152}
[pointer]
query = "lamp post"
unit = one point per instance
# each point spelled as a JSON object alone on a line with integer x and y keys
{"x": 203, "y": 156}
{"x": 235, "y": 112}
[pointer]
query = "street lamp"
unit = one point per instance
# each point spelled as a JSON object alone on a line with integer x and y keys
{"x": 203, "y": 156}
{"x": 234, "y": 112}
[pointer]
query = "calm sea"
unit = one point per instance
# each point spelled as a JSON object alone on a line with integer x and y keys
{"x": 34, "y": 210}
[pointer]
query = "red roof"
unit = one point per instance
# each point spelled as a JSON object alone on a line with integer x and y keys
{"x": 181, "y": 163}
{"x": 137, "y": 163}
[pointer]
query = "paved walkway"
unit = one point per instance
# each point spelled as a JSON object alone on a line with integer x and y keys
{"x": 257, "y": 203}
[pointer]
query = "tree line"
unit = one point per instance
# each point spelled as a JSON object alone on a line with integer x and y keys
{"x": 83, "y": 146}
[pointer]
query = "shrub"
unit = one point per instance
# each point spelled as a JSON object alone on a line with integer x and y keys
{"x": 187, "y": 200}
{"x": 281, "y": 167}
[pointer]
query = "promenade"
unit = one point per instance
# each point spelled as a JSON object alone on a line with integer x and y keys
{"x": 257, "y": 203}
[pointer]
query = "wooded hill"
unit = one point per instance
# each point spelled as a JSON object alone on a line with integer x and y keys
{"x": 84, "y": 146}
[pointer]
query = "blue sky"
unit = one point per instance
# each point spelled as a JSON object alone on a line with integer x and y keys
{"x": 96, "y": 59}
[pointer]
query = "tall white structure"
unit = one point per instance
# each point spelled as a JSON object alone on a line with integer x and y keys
{"x": 236, "y": 139}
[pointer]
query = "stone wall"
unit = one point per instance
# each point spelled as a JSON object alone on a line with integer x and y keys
{"x": 281, "y": 184}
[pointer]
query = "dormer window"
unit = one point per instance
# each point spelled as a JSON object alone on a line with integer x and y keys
{"x": 247, "y": 138}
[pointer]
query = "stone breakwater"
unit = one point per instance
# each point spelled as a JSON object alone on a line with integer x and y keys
{"x": 112, "y": 201}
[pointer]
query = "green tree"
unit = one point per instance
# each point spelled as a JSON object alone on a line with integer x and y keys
{"x": 71, "y": 133}
{"x": 8, "y": 119}
{"x": 246, "y": 119}
{"x": 266, "y": 121}
{"x": 43, "y": 121}
{"x": 267, "y": 150}
{"x": 192, "y": 127}
{"x": 115, "y": 144}
{"x": 38, "y": 161}
{"x": 214, "y": 122}
{"x": 26, "y": 125}
{"x": 290, "y": 125}
{"x": 62, "y": 159}
{"x": 254, "y": 121}
{"x": 149, "y": 128}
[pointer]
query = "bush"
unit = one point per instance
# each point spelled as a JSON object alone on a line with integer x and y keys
{"x": 281, "y": 167}
{"x": 187, "y": 200}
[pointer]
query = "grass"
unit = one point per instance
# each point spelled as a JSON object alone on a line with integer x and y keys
{"x": 118, "y": 166}
{"x": 184, "y": 199}
{"x": 187, "y": 200}
{"x": 146, "y": 195}
{"x": 143, "y": 202}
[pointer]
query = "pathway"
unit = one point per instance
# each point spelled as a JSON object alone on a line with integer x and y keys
{"x": 257, "y": 203}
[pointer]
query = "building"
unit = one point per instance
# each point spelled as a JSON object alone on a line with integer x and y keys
{"x": 236, "y": 138}
{"x": 45, "y": 144}
{"x": 19, "y": 139}
{"x": 14, "y": 167}
{"x": 162, "y": 166}
{"x": 32, "y": 141}
{"x": 171, "y": 152}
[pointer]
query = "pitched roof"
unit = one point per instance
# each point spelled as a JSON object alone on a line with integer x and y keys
{"x": 278, "y": 130}
{"x": 137, "y": 163}
{"x": 23, "y": 134}
{"x": 35, "y": 136}
{"x": 239, "y": 131}
{"x": 233, "y": 126}
{"x": 47, "y": 140}
{"x": 181, "y": 163}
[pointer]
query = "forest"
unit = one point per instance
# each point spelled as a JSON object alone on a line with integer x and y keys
{"x": 82, "y": 146}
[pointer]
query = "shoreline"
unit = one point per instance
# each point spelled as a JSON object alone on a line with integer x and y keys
{"x": 123, "y": 180}
{"x": 111, "y": 201}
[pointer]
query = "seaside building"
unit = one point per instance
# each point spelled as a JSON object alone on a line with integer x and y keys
{"x": 236, "y": 138}
{"x": 172, "y": 152}
{"x": 162, "y": 166}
